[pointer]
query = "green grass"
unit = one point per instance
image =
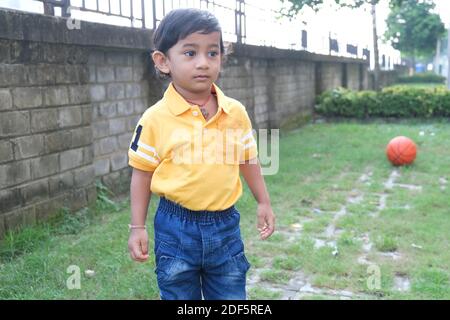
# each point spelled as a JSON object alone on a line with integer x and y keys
{"x": 35, "y": 262}
{"x": 263, "y": 294}
{"x": 386, "y": 243}
{"x": 320, "y": 167}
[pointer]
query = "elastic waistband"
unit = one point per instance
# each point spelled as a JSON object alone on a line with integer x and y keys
{"x": 170, "y": 207}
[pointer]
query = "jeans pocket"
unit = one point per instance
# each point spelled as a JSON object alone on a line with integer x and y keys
{"x": 170, "y": 267}
{"x": 233, "y": 243}
{"x": 165, "y": 248}
{"x": 165, "y": 253}
{"x": 164, "y": 267}
{"x": 242, "y": 263}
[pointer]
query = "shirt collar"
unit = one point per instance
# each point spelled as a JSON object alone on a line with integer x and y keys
{"x": 178, "y": 105}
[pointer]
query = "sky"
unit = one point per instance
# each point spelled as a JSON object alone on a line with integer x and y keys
{"x": 264, "y": 28}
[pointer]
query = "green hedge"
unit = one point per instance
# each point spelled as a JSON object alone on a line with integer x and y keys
{"x": 390, "y": 102}
{"x": 422, "y": 78}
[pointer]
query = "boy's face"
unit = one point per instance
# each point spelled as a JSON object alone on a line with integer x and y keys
{"x": 194, "y": 62}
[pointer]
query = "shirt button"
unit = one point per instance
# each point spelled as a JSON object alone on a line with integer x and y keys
{"x": 195, "y": 113}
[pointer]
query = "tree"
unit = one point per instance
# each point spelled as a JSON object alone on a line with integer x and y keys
{"x": 413, "y": 29}
{"x": 297, "y": 5}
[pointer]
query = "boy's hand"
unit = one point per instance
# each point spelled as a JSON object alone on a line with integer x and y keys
{"x": 138, "y": 245}
{"x": 266, "y": 221}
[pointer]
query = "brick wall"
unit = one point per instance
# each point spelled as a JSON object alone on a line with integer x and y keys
{"x": 119, "y": 95}
{"x": 70, "y": 100}
{"x": 60, "y": 96}
{"x": 46, "y": 151}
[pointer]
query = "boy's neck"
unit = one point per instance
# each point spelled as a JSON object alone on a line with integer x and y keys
{"x": 190, "y": 96}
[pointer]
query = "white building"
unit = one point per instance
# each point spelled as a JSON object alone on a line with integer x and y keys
{"x": 442, "y": 59}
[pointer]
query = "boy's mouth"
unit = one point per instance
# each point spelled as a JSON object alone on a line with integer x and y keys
{"x": 201, "y": 77}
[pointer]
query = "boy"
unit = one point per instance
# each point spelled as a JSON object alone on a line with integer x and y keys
{"x": 198, "y": 246}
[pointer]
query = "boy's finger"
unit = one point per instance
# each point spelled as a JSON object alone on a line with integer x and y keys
{"x": 271, "y": 223}
{"x": 144, "y": 247}
{"x": 267, "y": 233}
{"x": 137, "y": 253}
{"x": 262, "y": 223}
{"x": 141, "y": 256}
{"x": 142, "y": 259}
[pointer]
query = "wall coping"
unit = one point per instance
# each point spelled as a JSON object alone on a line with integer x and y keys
{"x": 264, "y": 52}
{"x": 26, "y": 26}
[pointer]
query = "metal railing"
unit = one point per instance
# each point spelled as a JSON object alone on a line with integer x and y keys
{"x": 49, "y": 7}
{"x": 137, "y": 11}
{"x": 149, "y": 13}
{"x": 102, "y": 7}
{"x": 242, "y": 21}
{"x": 159, "y": 8}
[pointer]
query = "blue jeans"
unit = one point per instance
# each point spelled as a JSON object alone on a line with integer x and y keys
{"x": 199, "y": 253}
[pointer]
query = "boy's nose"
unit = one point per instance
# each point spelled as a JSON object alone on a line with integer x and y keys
{"x": 202, "y": 62}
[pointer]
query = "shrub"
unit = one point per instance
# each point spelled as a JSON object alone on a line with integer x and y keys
{"x": 422, "y": 78}
{"x": 396, "y": 101}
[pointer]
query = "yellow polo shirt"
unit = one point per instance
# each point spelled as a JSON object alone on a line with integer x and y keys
{"x": 195, "y": 162}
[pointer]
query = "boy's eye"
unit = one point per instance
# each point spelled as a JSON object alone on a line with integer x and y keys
{"x": 213, "y": 53}
{"x": 189, "y": 53}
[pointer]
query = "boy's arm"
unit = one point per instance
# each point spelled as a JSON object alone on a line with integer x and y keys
{"x": 140, "y": 195}
{"x": 255, "y": 181}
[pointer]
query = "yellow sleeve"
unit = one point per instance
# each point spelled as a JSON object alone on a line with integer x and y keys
{"x": 143, "y": 154}
{"x": 250, "y": 147}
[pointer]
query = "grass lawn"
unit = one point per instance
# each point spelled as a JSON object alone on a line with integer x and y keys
{"x": 349, "y": 226}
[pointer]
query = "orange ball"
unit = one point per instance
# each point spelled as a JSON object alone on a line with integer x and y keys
{"x": 401, "y": 151}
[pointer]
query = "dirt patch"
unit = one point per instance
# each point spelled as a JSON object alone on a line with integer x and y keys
{"x": 402, "y": 283}
{"x": 392, "y": 255}
{"x": 443, "y": 182}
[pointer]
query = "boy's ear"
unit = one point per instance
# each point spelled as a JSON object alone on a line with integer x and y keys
{"x": 160, "y": 61}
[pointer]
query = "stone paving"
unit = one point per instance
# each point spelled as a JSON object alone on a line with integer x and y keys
{"x": 300, "y": 284}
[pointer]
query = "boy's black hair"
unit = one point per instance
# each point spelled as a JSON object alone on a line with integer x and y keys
{"x": 180, "y": 23}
